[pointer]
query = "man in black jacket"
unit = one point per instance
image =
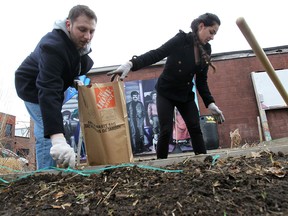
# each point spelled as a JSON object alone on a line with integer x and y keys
{"x": 136, "y": 116}
{"x": 42, "y": 78}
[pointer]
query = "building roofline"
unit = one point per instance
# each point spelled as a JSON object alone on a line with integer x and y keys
{"x": 114, "y": 67}
{"x": 214, "y": 57}
{"x": 248, "y": 53}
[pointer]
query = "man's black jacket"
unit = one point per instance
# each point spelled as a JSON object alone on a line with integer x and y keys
{"x": 46, "y": 73}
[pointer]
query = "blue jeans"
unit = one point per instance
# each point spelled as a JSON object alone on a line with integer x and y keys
{"x": 43, "y": 145}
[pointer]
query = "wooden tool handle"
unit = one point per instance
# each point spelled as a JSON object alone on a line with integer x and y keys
{"x": 246, "y": 31}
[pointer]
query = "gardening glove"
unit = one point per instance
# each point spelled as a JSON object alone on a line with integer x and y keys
{"x": 121, "y": 71}
{"x": 77, "y": 83}
{"x": 216, "y": 112}
{"x": 62, "y": 152}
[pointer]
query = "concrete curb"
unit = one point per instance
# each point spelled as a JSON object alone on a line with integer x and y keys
{"x": 274, "y": 146}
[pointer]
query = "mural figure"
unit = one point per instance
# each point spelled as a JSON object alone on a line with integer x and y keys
{"x": 136, "y": 116}
{"x": 153, "y": 119}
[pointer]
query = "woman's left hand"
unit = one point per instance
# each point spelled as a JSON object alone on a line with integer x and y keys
{"x": 122, "y": 71}
{"x": 217, "y": 113}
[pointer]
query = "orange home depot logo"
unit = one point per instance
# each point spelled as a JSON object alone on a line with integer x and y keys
{"x": 105, "y": 97}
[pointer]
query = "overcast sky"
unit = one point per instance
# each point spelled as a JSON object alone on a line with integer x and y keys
{"x": 130, "y": 27}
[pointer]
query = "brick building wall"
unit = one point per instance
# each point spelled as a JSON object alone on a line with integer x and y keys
{"x": 7, "y": 130}
{"x": 22, "y": 146}
{"x": 233, "y": 91}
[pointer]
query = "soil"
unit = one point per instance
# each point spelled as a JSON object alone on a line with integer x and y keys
{"x": 254, "y": 185}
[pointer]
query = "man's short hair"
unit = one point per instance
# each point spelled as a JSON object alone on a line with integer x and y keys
{"x": 134, "y": 93}
{"x": 79, "y": 10}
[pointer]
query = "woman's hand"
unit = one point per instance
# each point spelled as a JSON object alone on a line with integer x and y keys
{"x": 217, "y": 113}
{"x": 121, "y": 71}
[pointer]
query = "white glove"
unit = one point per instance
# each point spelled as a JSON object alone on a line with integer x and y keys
{"x": 216, "y": 112}
{"x": 77, "y": 83}
{"x": 121, "y": 71}
{"x": 61, "y": 152}
{"x": 151, "y": 121}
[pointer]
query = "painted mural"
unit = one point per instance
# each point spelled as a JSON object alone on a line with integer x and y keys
{"x": 142, "y": 117}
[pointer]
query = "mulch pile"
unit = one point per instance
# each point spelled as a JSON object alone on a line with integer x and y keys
{"x": 250, "y": 185}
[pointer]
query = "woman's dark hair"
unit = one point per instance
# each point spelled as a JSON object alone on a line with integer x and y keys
{"x": 79, "y": 10}
{"x": 208, "y": 19}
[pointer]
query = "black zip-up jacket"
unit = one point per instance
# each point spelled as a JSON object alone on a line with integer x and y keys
{"x": 46, "y": 73}
{"x": 175, "y": 82}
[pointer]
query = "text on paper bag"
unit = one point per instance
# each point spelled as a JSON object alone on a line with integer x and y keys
{"x": 102, "y": 128}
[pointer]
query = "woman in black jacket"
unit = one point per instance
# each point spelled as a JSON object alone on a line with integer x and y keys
{"x": 188, "y": 56}
{"x": 42, "y": 78}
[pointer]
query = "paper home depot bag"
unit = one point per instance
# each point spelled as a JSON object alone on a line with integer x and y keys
{"x": 104, "y": 123}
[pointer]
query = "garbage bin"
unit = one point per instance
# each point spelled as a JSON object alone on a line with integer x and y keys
{"x": 210, "y": 131}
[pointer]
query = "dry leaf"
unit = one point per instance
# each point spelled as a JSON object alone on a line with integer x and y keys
{"x": 235, "y": 170}
{"x": 235, "y": 138}
{"x": 135, "y": 203}
{"x": 249, "y": 171}
{"x": 58, "y": 195}
{"x": 66, "y": 205}
{"x": 216, "y": 184}
{"x": 276, "y": 171}
{"x": 255, "y": 154}
{"x": 277, "y": 164}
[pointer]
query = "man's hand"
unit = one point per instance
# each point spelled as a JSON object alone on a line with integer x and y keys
{"x": 217, "y": 113}
{"x": 121, "y": 71}
{"x": 77, "y": 83}
{"x": 61, "y": 152}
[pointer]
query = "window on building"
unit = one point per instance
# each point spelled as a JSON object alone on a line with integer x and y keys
{"x": 8, "y": 130}
{"x": 22, "y": 132}
{"x": 23, "y": 152}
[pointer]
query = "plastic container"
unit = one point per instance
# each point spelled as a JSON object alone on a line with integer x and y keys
{"x": 210, "y": 131}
